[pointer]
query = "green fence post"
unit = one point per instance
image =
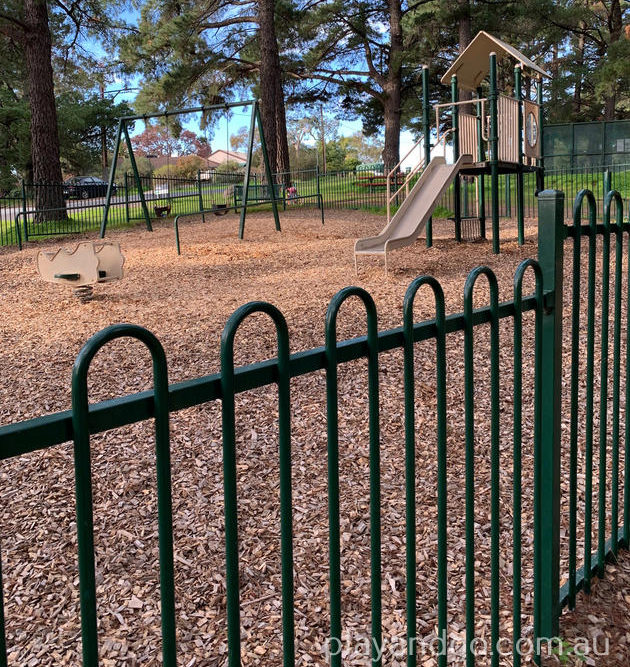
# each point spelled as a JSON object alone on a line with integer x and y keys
{"x": 228, "y": 411}
{"x": 457, "y": 205}
{"x": 607, "y": 182}
{"x": 540, "y": 173}
{"x": 127, "y": 198}
{"x": 520, "y": 221}
{"x": 551, "y": 235}
{"x": 83, "y": 490}
{"x": 24, "y": 210}
{"x": 494, "y": 152}
{"x": 426, "y": 131}
{"x": 481, "y": 156}
{"x": 201, "y": 209}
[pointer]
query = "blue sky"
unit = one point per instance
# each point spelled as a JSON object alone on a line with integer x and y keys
{"x": 238, "y": 119}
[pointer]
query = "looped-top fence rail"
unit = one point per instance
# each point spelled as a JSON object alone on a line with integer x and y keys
{"x": 538, "y": 337}
{"x": 83, "y": 482}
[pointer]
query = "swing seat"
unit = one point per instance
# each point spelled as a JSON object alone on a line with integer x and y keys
{"x": 219, "y": 209}
{"x": 162, "y": 211}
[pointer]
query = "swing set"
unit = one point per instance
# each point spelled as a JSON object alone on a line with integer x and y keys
{"x": 255, "y": 119}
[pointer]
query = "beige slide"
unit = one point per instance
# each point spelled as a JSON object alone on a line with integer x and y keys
{"x": 410, "y": 219}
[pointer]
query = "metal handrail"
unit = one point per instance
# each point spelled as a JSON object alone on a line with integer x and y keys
{"x": 443, "y": 105}
{"x": 437, "y": 108}
{"x": 395, "y": 168}
{"x": 409, "y": 175}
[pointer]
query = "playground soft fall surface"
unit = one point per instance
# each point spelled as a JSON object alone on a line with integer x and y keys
{"x": 186, "y": 301}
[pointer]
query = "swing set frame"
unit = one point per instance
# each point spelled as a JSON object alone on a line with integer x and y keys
{"x": 255, "y": 119}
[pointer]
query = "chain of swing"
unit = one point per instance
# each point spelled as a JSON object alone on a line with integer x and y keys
{"x": 207, "y": 133}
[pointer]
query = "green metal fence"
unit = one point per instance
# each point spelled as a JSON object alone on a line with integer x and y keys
{"x": 604, "y": 296}
{"x": 339, "y": 190}
{"x": 80, "y": 213}
{"x": 10, "y": 206}
{"x": 21, "y": 219}
{"x": 184, "y": 195}
{"x": 535, "y": 323}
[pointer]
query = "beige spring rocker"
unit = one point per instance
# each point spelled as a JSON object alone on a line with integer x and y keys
{"x": 89, "y": 263}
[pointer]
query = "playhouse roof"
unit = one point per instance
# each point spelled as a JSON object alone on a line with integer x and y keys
{"x": 473, "y": 64}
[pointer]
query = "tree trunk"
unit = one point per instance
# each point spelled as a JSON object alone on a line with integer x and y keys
{"x": 615, "y": 27}
{"x": 44, "y": 131}
{"x": 391, "y": 107}
{"x": 392, "y": 87}
{"x": 577, "y": 93}
{"x": 271, "y": 93}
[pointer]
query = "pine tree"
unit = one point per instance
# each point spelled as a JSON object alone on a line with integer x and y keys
{"x": 29, "y": 28}
{"x": 368, "y": 67}
{"x": 209, "y": 53}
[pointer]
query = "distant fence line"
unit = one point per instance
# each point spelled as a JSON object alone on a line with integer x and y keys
{"x": 19, "y": 218}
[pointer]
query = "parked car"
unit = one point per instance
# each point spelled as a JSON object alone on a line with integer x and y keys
{"x": 85, "y": 187}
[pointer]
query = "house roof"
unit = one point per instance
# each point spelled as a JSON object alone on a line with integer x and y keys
{"x": 222, "y": 156}
{"x": 473, "y": 64}
{"x": 173, "y": 160}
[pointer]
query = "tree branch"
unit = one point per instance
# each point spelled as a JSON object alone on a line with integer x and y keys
{"x": 15, "y": 22}
{"x": 414, "y": 6}
{"x": 338, "y": 81}
{"x": 228, "y": 22}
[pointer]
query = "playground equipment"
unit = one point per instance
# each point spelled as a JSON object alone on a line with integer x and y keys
{"x": 404, "y": 228}
{"x": 89, "y": 263}
{"x": 503, "y": 136}
{"x": 123, "y": 131}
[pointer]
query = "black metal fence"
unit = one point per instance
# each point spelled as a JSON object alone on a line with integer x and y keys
{"x": 20, "y": 218}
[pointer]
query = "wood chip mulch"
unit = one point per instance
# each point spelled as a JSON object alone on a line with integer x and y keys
{"x": 186, "y": 301}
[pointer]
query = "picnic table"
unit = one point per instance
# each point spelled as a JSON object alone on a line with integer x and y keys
{"x": 379, "y": 181}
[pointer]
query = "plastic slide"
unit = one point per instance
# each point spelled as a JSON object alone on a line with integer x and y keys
{"x": 410, "y": 219}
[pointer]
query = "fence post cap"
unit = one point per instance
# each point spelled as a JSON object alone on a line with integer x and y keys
{"x": 550, "y": 194}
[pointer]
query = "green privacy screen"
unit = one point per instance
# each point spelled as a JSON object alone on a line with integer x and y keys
{"x": 574, "y": 145}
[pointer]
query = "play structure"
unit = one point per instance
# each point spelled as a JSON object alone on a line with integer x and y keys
{"x": 502, "y": 136}
{"x": 123, "y": 133}
{"x": 89, "y": 263}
